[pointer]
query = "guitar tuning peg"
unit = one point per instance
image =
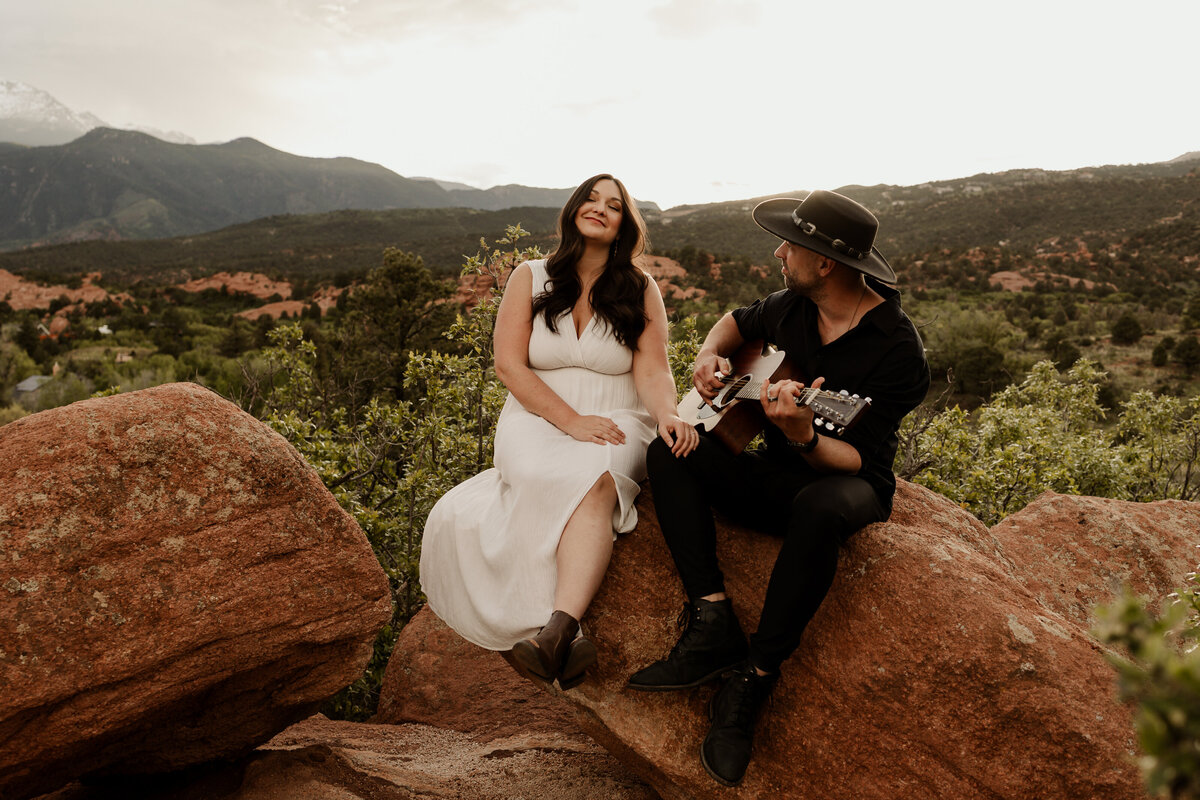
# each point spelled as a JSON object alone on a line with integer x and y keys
{"x": 855, "y": 395}
{"x": 840, "y": 431}
{"x": 844, "y": 393}
{"x": 829, "y": 425}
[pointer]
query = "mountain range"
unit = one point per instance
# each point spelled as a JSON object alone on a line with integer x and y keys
{"x": 114, "y": 184}
{"x": 32, "y": 117}
{"x": 69, "y": 176}
{"x": 1128, "y": 226}
{"x": 121, "y": 185}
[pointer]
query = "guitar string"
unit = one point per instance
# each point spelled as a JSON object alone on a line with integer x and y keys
{"x": 806, "y": 396}
{"x": 748, "y": 392}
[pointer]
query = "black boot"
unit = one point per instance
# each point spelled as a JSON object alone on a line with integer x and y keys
{"x": 725, "y": 753}
{"x": 712, "y": 643}
{"x": 542, "y": 657}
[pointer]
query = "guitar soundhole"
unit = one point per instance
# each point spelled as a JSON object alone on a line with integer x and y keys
{"x": 729, "y": 393}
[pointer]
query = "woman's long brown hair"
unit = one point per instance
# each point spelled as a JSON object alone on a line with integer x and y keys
{"x": 617, "y": 297}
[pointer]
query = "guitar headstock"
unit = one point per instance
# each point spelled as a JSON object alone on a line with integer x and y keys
{"x": 835, "y": 411}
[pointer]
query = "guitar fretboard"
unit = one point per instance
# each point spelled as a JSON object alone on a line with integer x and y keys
{"x": 806, "y": 396}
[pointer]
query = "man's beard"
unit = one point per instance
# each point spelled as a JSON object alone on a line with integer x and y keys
{"x": 793, "y": 285}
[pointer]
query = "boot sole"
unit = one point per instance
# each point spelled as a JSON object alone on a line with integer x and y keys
{"x": 714, "y": 775}
{"x": 675, "y": 687}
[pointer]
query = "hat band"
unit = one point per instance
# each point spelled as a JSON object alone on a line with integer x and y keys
{"x": 810, "y": 229}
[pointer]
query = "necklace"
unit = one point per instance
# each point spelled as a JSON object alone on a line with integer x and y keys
{"x": 857, "y": 306}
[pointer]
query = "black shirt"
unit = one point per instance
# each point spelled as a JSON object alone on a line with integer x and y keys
{"x": 881, "y": 358}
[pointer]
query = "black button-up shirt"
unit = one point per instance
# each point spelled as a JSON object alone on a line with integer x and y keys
{"x": 881, "y": 358}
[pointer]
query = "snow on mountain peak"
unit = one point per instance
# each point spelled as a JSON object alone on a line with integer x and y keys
{"x": 22, "y": 101}
{"x": 31, "y": 116}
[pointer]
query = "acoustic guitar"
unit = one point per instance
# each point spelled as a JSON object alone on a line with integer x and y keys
{"x": 735, "y": 415}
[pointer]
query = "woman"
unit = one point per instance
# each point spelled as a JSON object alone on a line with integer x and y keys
{"x": 512, "y": 557}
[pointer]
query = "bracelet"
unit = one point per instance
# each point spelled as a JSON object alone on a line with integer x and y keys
{"x": 806, "y": 447}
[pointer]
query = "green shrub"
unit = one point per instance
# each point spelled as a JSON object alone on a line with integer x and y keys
{"x": 1126, "y": 330}
{"x": 11, "y": 413}
{"x": 1160, "y": 677}
{"x": 1049, "y": 433}
{"x": 1037, "y": 435}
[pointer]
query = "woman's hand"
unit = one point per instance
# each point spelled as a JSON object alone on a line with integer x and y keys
{"x": 598, "y": 430}
{"x": 681, "y": 436}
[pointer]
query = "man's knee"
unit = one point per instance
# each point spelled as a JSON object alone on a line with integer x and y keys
{"x": 659, "y": 459}
{"x": 843, "y": 506}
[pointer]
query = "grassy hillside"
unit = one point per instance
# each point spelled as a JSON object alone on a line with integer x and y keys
{"x": 313, "y": 245}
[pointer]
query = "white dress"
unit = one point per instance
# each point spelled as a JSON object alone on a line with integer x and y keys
{"x": 487, "y": 556}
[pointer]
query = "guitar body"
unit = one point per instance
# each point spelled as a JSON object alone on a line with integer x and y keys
{"x": 736, "y": 416}
{"x": 731, "y": 419}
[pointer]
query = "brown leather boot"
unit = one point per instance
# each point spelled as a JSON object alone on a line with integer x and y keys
{"x": 581, "y": 654}
{"x": 542, "y": 658}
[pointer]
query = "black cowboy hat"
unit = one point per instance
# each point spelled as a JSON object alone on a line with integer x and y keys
{"x": 830, "y": 224}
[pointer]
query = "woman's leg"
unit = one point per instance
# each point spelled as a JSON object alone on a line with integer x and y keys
{"x": 585, "y": 548}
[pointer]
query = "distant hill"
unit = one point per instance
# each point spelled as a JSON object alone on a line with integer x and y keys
{"x": 1024, "y": 209}
{"x": 323, "y": 245}
{"x": 111, "y": 185}
{"x": 1137, "y": 223}
{"x": 510, "y": 195}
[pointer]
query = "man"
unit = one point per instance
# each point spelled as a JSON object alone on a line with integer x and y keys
{"x": 841, "y": 327}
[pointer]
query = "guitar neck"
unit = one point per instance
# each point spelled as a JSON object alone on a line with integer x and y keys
{"x": 751, "y": 392}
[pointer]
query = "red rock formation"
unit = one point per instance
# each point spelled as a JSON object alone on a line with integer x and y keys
{"x": 473, "y": 690}
{"x": 944, "y": 662}
{"x": 472, "y": 289}
{"x": 667, "y": 273}
{"x": 293, "y": 308}
{"x": 1012, "y": 281}
{"x": 1097, "y": 547}
{"x": 22, "y": 294}
{"x": 178, "y": 586}
{"x": 930, "y": 671}
{"x": 326, "y": 298}
{"x": 58, "y": 324}
{"x": 437, "y": 678}
{"x": 321, "y": 759}
{"x": 252, "y": 283}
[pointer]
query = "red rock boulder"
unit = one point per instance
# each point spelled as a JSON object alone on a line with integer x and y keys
{"x": 935, "y": 668}
{"x": 322, "y": 759}
{"x": 178, "y": 586}
{"x": 436, "y": 677}
{"x": 439, "y": 682}
{"x": 1097, "y": 547}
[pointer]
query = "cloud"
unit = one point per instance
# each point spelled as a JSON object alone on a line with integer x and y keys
{"x": 376, "y": 19}
{"x": 687, "y": 19}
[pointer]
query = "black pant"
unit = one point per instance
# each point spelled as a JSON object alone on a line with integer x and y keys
{"x": 813, "y": 512}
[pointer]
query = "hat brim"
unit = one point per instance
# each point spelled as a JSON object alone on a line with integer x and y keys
{"x": 775, "y": 217}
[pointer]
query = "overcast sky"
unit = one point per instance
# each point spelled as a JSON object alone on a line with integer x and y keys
{"x": 685, "y": 100}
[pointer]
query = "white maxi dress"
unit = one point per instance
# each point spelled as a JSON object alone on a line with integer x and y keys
{"x": 488, "y": 552}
